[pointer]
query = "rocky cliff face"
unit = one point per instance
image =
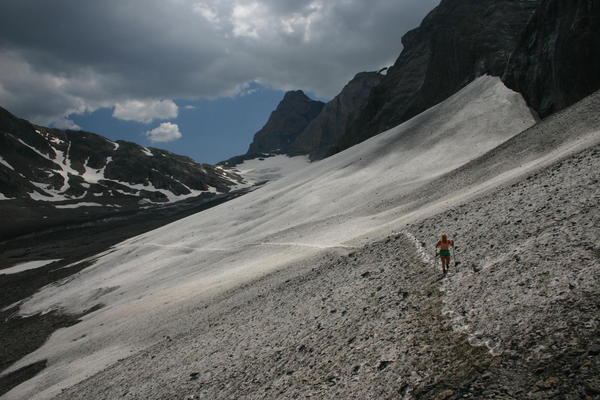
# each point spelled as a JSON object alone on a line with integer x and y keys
{"x": 548, "y": 50}
{"x": 45, "y": 173}
{"x": 457, "y": 42}
{"x": 320, "y": 136}
{"x": 557, "y": 60}
{"x": 290, "y": 118}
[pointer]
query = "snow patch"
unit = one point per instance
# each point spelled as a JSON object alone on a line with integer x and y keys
{"x": 26, "y": 266}
{"x": 423, "y": 254}
{"x": 115, "y": 144}
{"x": 271, "y": 168}
{"x": 77, "y": 205}
{"x": 91, "y": 175}
{"x": 35, "y": 150}
{"x": 6, "y": 164}
{"x": 57, "y": 141}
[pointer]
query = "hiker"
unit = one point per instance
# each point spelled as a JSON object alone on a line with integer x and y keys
{"x": 444, "y": 245}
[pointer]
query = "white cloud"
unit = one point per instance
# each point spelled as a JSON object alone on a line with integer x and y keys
{"x": 249, "y": 18}
{"x": 207, "y": 12}
{"x": 44, "y": 98}
{"x": 145, "y": 111}
{"x": 203, "y": 49}
{"x": 165, "y": 132}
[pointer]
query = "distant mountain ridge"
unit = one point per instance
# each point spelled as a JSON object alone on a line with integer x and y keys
{"x": 45, "y": 172}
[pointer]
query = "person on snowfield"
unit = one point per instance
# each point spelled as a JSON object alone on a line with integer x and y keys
{"x": 444, "y": 245}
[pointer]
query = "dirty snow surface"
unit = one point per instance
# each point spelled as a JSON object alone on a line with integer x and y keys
{"x": 300, "y": 288}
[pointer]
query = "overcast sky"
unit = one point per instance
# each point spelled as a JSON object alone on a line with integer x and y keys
{"x": 142, "y": 59}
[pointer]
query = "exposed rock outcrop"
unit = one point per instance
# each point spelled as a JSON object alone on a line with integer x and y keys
{"x": 321, "y": 134}
{"x": 457, "y": 42}
{"x": 290, "y": 118}
{"x": 557, "y": 60}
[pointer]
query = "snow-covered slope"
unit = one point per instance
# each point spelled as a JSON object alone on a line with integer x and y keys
{"x": 261, "y": 169}
{"x": 149, "y": 283}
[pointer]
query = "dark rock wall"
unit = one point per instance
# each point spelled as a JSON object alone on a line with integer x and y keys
{"x": 290, "y": 118}
{"x": 322, "y": 133}
{"x": 557, "y": 60}
{"x": 457, "y": 42}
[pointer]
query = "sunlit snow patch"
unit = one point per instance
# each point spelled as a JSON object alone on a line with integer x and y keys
{"x": 271, "y": 168}
{"x": 26, "y": 266}
{"x": 77, "y": 205}
{"x": 6, "y": 164}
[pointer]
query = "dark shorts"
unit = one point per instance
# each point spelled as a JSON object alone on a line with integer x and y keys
{"x": 444, "y": 253}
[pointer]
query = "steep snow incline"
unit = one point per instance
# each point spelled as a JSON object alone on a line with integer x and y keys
{"x": 149, "y": 283}
{"x": 270, "y": 168}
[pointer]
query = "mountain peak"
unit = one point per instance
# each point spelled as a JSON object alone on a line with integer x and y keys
{"x": 295, "y": 94}
{"x": 320, "y": 136}
{"x": 292, "y": 115}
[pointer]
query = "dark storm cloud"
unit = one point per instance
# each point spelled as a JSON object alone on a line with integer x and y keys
{"x": 67, "y": 56}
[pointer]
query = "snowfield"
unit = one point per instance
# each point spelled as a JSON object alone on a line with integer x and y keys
{"x": 270, "y": 168}
{"x": 150, "y": 285}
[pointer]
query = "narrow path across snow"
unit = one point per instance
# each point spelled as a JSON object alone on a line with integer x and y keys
{"x": 231, "y": 250}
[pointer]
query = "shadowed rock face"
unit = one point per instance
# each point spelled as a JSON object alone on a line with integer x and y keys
{"x": 557, "y": 60}
{"x": 290, "y": 118}
{"x": 321, "y": 134}
{"x": 457, "y": 42}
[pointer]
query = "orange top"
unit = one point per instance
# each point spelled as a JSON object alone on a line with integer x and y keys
{"x": 445, "y": 246}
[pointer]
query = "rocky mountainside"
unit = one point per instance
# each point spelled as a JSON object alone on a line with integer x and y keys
{"x": 322, "y": 133}
{"x": 457, "y": 42}
{"x": 290, "y": 118}
{"x": 557, "y": 60}
{"x": 48, "y": 172}
{"x": 547, "y": 50}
